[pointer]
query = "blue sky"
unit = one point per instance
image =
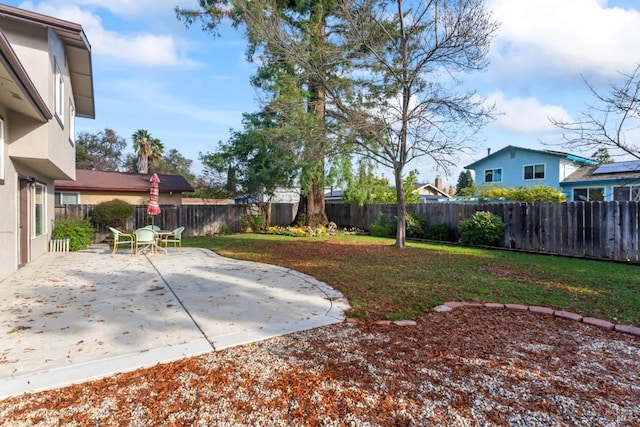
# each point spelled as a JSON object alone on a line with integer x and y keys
{"x": 188, "y": 88}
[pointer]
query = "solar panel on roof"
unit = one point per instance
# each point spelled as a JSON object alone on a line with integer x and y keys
{"x": 621, "y": 167}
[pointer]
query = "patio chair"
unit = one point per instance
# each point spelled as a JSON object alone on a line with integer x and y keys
{"x": 145, "y": 238}
{"x": 121, "y": 239}
{"x": 174, "y": 237}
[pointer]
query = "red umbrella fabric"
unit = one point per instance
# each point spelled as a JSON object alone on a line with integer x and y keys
{"x": 153, "y": 208}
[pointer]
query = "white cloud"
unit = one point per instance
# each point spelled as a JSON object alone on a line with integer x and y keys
{"x": 570, "y": 36}
{"x": 143, "y": 48}
{"x": 525, "y": 115}
{"x": 130, "y": 8}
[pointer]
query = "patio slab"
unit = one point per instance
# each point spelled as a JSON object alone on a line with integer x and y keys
{"x": 70, "y": 317}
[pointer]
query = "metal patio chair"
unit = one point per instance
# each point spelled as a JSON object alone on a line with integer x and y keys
{"x": 174, "y": 237}
{"x": 122, "y": 239}
{"x": 145, "y": 238}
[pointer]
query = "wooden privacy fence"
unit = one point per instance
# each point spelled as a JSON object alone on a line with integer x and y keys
{"x": 602, "y": 230}
{"x": 198, "y": 220}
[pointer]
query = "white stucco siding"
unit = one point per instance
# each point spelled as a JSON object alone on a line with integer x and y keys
{"x": 9, "y": 238}
{"x": 30, "y": 43}
{"x": 62, "y": 151}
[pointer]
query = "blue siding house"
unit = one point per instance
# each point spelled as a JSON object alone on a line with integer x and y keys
{"x": 516, "y": 166}
{"x": 606, "y": 182}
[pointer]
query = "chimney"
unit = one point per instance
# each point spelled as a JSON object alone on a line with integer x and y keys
{"x": 439, "y": 182}
{"x": 489, "y": 151}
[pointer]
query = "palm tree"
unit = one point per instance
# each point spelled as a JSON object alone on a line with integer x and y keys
{"x": 157, "y": 151}
{"x": 146, "y": 147}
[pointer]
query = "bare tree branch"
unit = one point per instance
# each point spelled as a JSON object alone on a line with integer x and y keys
{"x": 613, "y": 122}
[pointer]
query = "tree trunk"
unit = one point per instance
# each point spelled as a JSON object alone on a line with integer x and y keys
{"x": 401, "y": 212}
{"x": 311, "y": 209}
{"x": 143, "y": 164}
{"x": 266, "y": 213}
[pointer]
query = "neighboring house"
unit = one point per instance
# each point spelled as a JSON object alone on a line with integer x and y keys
{"x": 607, "y": 182}
{"x": 432, "y": 192}
{"x": 92, "y": 187}
{"x": 427, "y": 193}
{"x": 280, "y": 195}
{"x": 333, "y": 196}
{"x": 203, "y": 201}
{"x": 46, "y": 80}
{"x": 516, "y": 167}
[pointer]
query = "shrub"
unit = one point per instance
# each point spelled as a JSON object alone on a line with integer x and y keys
{"x": 225, "y": 229}
{"x": 253, "y": 222}
{"x": 78, "y": 231}
{"x": 441, "y": 232}
{"x": 525, "y": 193}
{"x": 113, "y": 213}
{"x": 382, "y": 228}
{"x": 536, "y": 193}
{"x": 414, "y": 226}
{"x": 483, "y": 228}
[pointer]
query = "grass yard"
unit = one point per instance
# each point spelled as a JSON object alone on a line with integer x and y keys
{"x": 384, "y": 282}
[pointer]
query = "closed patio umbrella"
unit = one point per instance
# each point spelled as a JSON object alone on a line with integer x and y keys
{"x": 153, "y": 208}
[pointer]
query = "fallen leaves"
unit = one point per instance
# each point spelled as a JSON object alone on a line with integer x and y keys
{"x": 465, "y": 367}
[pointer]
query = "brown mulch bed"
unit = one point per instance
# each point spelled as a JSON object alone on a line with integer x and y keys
{"x": 467, "y": 367}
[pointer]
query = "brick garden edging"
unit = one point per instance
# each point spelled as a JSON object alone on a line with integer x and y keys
{"x": 450, "y": 305}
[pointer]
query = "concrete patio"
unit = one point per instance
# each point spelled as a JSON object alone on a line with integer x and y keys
{"x": 70, "y": 317}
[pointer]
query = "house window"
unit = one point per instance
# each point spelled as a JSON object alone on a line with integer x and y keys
{"x": 72, "y": 123}
{"x": 592, "y": 194}
{"x": 39, "y": 209}
{"x": 1, "y": 151}
{"x": 534, "y": 172}
{"x": 63, "y": 198}
{"x": 493, "y": 175}
{"x": 59, "y": 90}
{"x": 626, "y": 193}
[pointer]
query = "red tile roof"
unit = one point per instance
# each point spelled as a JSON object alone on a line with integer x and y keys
{"x": 118, "y": 181}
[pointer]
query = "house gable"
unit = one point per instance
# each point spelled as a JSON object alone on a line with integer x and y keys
{"x": 515, "y": 166}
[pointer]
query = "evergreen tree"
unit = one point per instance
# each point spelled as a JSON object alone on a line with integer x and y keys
{"x": 465, "y": 184}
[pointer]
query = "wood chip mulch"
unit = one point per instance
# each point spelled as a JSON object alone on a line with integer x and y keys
{"x": 467, "y": 367}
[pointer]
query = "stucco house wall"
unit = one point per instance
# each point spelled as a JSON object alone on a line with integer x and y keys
{"x": 133, "y": 198}
{"x": 37, "y": 131}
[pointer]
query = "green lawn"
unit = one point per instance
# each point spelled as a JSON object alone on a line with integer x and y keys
{"x": 384, "y": 282}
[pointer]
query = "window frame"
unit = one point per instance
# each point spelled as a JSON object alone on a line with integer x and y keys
{"x": 633, "y": 193}
{"x": 534, "y": 173}
{"x": 72, "y": 123}
{"x": 58, "y": 197}
{"x": 59, "y": 93}
{"x": 588, "y": 190}
{"x": 39, "y": 218}
{"x": 492, "y": 172}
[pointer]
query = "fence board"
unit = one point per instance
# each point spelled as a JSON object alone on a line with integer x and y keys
{"x": 633, "y": 232}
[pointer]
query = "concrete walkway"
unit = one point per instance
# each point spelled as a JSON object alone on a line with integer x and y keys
{"x": 70, "y": 317}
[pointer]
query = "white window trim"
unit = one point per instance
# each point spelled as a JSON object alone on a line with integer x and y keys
{"x": 533, "y": 165}
{"x": 61, "y": 193}
{"x": 59, "y": 93}
{"x": 484, "y": 176}
{"x": 603, "y": 188}
{"x": 43, "y": 231}
{"x": 629, "y": 187}
{"x": 72, "y": 123}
